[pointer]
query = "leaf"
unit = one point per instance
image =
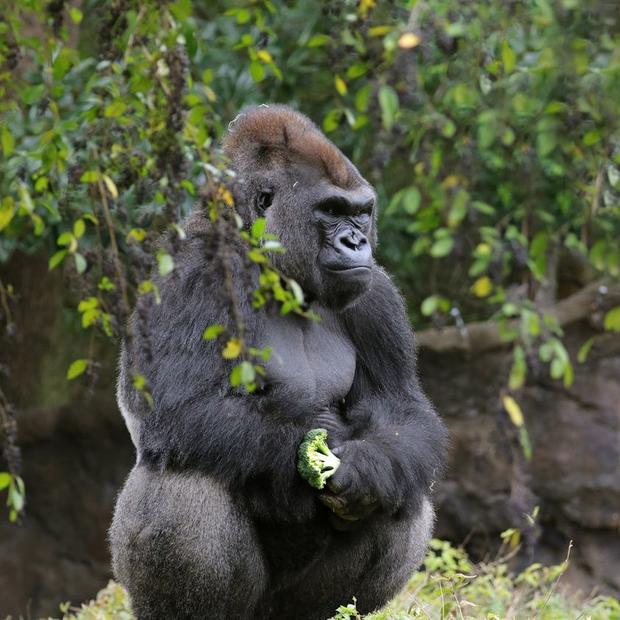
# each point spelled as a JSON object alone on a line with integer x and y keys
{"x": 7, "y": 211}
{"x": 518, "y": 370}
{"x": 5, "y": 480}
{"x": 90, "y": 176}
{"x": 136, "y": 234}
{"x": 265, "y": 56}
{"x": 442, "y": 247}
{"x": 318, "y": 40}
{"x": 232, "y": 349}
{"x": 612, "y": 320}
{"x": 482, "y": 287}
{"x": 109, "y": 183}
{"x": 76, "y": 15}
{"x": 88, "y": 304}
{"x": 78, "y": 228}
{"x": 409, "y": 40}
{"x": 77, "y": 368}
{"x": 80, "y": 263}
{"x": 388, "y": 101}
{"x": 257, "y": 71}
{"x": 429, "y": 305}
{"x": 258, "y": 228}
{"x": 242, "y": 374}
{"x": 592, "y": 137}
{"x": 526, "y": 445}
{"x": 341, "y": 86}
{"x": 56, "y": 259}
{"x": 411, "y": 200}
{"x": 8, "y": 141}
{"x": 165, "y": 263}
{"x": 509, "y": 58}
{"x": 513, "y": 410}
{"x": 297, "y": 291}
{"x": 115, "y": 109}
{"x": 213, "y": 331}
{"x": 582, "y": 355}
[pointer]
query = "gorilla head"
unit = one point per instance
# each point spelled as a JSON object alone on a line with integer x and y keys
{"x": 312, "y": 196}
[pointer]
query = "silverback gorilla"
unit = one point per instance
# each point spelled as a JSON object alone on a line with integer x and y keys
{"x": 214, "y": 521}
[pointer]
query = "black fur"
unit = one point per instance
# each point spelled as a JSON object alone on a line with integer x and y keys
{"x": 214, "y": 520}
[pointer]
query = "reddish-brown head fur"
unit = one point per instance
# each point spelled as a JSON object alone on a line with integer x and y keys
{"x": 277, "y": 130}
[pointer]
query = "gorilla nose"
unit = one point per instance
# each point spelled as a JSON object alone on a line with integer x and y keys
{"x": 354, "y": 247}
{"x": 351, "y": 241}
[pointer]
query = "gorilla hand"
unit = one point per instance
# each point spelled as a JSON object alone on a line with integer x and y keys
{"x": 336, "y": 427}
{"x": 353, "y": 496}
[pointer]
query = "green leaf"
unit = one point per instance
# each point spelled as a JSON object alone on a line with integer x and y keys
{"x": 165, "y": 263}
{"x": 90, "y": 176}
{"x": 442, "y": 247}
{"x": 5, "y": 480}
{"x": 388, "y": 102}
{"x": 584, "y": 350}
{"x": 80, "y": 263}
{"x": 213, "y": 331}
{"x": 318, "y": 40}
{"x": 76, "y": 15}
{"x": 509, "y": 58}
{"x": 77, "y": 368}
{"x": 78, "y": 228}
{"x": 242, "y": 374}
{"x": 411, "y": 199}
{"x": 8, "y": 141}
{"x": 592, "y": 137}
{"x": 56, "y": 259}
{"x": 612, "y": 320}
{"x": 115, "y": 109}
{"x": 258, "y": 228}
{"x": 7, "y": 211}
{"x": 257, "y": 71}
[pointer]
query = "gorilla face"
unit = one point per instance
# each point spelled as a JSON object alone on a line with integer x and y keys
{"x": 328, "y": 233}
{"x": 313, "y": 199}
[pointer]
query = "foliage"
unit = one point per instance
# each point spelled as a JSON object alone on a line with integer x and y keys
{"x": 450, "y": 587}
{"x": 491, "y": 131}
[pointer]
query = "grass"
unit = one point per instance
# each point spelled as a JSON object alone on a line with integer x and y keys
{"x": 450, "y": 588}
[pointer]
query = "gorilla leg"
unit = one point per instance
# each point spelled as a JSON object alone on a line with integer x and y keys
{"x": 184, "y": 550}
{"x": 372, "y": 564}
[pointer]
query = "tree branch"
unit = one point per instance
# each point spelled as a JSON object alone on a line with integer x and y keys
{"x": 484, "y": 335}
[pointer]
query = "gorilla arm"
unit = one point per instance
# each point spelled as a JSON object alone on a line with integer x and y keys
{"x": 397, "y": 441}
{"x": 198, "y": 421}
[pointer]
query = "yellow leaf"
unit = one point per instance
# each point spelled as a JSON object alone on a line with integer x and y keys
{"x": 409, "y": 40}
{"x": 341, "y": 85}
{"x": 483, "y": 249}
{"x": 226, "y": 196}
{"x": 7, "y": 211}
{"x": 482, "y": 287}
{"x": 513, "y": 410}
{"x": 232, "y": 349}
{"x": 265, "y": 56}
{"x": 109, "y": 183}
{"x": 379, "y": 31}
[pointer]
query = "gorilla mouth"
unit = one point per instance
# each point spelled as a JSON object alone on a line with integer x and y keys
{"x": 355, "y": 269}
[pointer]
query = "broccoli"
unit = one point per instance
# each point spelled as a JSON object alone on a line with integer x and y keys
{"x": 316, "y": 462}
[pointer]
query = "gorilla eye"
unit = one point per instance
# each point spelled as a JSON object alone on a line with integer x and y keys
{"x": 263, "y": 200}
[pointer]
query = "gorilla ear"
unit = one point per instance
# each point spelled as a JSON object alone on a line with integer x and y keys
{"x": 263, "y": 200}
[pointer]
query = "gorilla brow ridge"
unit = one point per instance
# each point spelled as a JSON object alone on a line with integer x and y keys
{"x": 280, "y": 127}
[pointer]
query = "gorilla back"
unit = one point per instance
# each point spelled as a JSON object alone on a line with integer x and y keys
{"x": 214, "y": 520}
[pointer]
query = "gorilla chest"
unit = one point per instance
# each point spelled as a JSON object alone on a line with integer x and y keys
{"x": 310, "y": 360}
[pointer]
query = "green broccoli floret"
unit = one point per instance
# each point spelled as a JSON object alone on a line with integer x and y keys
{"x": 316, "y": 462}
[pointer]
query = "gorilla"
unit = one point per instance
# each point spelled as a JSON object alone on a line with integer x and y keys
{"x": 214, "y": 521}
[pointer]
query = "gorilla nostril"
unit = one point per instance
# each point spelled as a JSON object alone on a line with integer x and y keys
{"x": 352, "y": 241}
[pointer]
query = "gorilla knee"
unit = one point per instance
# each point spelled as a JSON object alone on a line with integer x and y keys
{"x": 180, "y": 546}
